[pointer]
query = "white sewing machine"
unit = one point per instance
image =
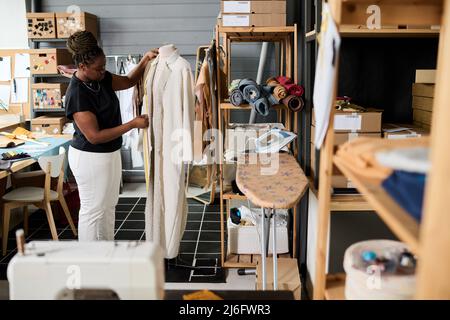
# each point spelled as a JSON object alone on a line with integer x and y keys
{"x": 76, "y": 270}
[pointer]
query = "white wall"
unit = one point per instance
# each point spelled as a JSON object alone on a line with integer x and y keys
{"x": 13, "y": 25}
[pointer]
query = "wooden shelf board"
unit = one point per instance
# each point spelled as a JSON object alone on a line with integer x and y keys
{"x": 398, "y": 220}
{"x": 335, "y": 287}
{"x": 246, "y": 260}
{"x": 355, "y": 32}
{"x": 229, "y": 196}
{"x": 242, "y": 32}
{"x": 229, "y": 106}
{"x": 50, "y": 110}
{"x": 344, "y": 203}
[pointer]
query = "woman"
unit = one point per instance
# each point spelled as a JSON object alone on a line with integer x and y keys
{"x": 94, "y": 154}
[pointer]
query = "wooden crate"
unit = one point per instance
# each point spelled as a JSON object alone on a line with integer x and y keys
{"x": 69, "y": 23}
{"x": 45, "y": 61}
{"x": 48, "y": 95}
{"x": 41, "y": 25}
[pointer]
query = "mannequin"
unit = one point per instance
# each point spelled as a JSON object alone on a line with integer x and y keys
{"x": 170, "y": 104}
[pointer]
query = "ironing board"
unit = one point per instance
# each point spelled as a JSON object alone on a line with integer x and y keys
{"x": 271, "y": 182}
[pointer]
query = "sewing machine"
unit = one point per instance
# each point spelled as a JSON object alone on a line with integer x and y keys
{"x": 103, "y": 270}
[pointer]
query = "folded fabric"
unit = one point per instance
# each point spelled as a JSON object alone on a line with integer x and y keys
{"x": 234, "y": 85}
{"x": 294, "y": 103}
{"x": 410, "y": 160}
{"x": 236, "y": 97}
{"x": 407, "y": 189}
{"x": 261, "y": 106}
{"x": 250, "y": 90}
{"x": 361, "y": 153}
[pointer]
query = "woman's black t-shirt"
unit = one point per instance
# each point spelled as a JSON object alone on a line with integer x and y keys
{"x": 102, "y": 101}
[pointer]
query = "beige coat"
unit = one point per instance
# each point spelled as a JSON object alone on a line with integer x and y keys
{"x": 167, "y": 147}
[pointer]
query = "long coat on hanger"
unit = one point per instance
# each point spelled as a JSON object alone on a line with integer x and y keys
{"x": 168, "y": 145}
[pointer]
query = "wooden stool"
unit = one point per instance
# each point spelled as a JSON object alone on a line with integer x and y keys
{"x": 270, "y": 181}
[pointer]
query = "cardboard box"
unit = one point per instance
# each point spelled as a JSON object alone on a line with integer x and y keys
{"x": 41, "y": 25}
{"x": 69, "y": 23}
{"x": 422, "y": 116}
{"x": 401, "y": 131}
{"x": 45, "y": 61}
{"x": 49, "y": 125}
{"x": 369, "y": 121}
{"x": 48, "y": 95}
{"x": 288, "y": 276}
{"x": 423, "y": 103}
{"x": 338, "y": 180}
{"x": 423, "y": 90}
{"x": 253, "y": 20}
{"x": 425, "y": 76}
{"x": 268, "y": 6}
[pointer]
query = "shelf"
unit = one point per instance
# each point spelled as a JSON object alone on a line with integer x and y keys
{"x": 229, "y": 196}
{"x": 50, "y": 110}
{"x": 398, "y": 220}
{"x": 49, "y": 40}
{"x": 344, "y": 203}
{"x": 253, "y": 33}
{"x": 335, "y": 287}
{"x": 246, "y": 260}
{"x": 48, "y": 75}
{"x": 352, "y": 32}
{"x": 229, "y": 106}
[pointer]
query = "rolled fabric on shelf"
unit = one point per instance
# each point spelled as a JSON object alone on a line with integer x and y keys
{"x": 267, "y": 92}
{"x": 236, "y": 97}
{"x": 261, "y": 106}
{"x": 290, "y": 86}
{"x": 250, "y": 90}
{"x": 279, "y": 92}
{"x": 272, "y": 82}
{"x": 294, "y": 103}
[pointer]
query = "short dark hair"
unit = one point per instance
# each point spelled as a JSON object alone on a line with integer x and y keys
{"x": 84, "y": 47}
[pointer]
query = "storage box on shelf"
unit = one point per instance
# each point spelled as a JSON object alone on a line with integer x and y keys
{"x": 253, "y": 20}
{"x": 45, "y": 61}
{"x": 48, "y": 125}
{"x": 423, "y": 98}
{"x": 266, "y": 6}
{"x": 48, "y": 95}
{"x": 69, "y": 23}
{"x": 41, "y": 25}
{"x": 403, "y": 131}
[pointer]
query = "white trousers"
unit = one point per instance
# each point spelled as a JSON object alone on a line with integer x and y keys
{"x": 98, "y": 178}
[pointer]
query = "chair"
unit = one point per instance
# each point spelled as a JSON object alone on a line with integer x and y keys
{"x": 52, "y": 166}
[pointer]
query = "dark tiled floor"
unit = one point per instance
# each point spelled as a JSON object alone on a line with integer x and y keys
{"x": 199, "y": 256}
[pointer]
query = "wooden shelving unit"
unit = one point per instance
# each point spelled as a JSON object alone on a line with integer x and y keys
{"x": 286, "y": 37}
{"x": 430, "y": 240}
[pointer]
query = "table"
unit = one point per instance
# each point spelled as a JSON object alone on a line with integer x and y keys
{"x": 35, "y": 151}
{"x": 273, "y": 181}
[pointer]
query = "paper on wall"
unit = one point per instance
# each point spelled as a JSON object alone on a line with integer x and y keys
{"x": 326, "y": 72}
{"x": 22, "y": 65}
{"x": 5, "y": 92}
{"x": 19, "y": 92}
{"x": 5, "y": 68}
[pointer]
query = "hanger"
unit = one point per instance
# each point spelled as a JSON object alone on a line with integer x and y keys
{"x": 122, "y": 68}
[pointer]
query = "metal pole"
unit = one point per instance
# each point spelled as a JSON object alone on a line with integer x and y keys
{"x": 262, "y": 63}
{"x": 274, "y": 251}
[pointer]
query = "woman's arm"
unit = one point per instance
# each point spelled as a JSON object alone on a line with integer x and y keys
{"x": 87, "y": 122}
{"x": 130, "y": 80}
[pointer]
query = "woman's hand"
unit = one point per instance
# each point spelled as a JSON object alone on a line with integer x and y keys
{"x": 140, "y": 122}
{"x": 151, "y": 54}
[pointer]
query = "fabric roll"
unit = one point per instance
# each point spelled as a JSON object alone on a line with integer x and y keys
{"x": 236, "y": 97}
{"x": 268, "y": 94}
{"x": 279, "y": 92}
{"x": 234, "y": 85}
{"x": 293, "y": 102}
{"x": 272, "y": 82}
{"x": 250, "y": 90}
{"x": 261, "y": 106}
{"x": 284, "y": 80}
{"x": 290, "y": 86}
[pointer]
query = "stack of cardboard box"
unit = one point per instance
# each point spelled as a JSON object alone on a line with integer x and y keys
{"x": 423, "y": 98}
{"x": 348, "y": 126}
{"x": 261, "y": 13}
